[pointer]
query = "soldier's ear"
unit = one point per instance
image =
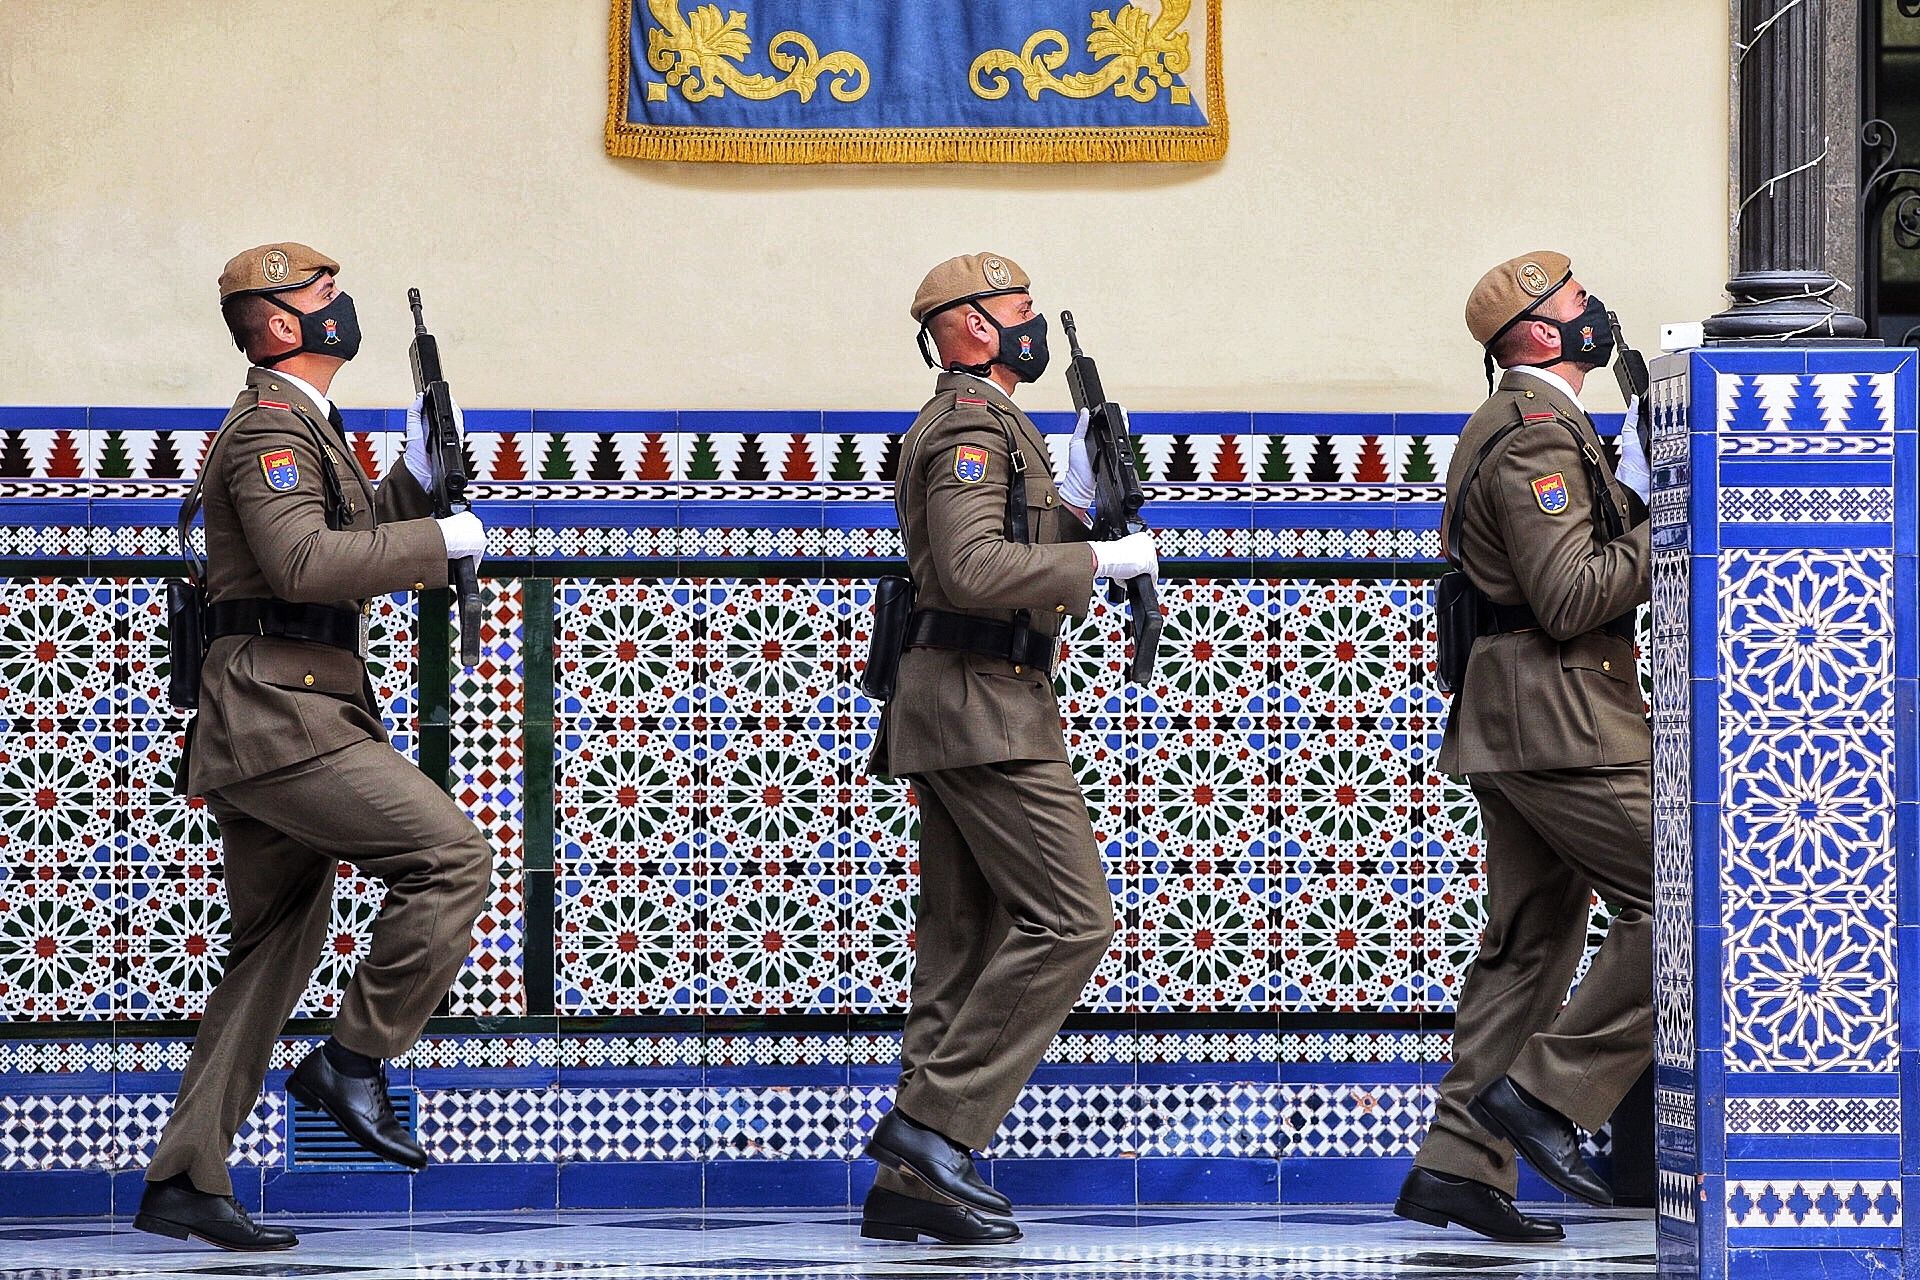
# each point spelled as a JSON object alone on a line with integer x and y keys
{"x": 1550, "y": 340}
{"x": 283, "y": 327}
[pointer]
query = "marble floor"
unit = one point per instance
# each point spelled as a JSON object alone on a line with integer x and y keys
{"x": 1170, "y": 1244}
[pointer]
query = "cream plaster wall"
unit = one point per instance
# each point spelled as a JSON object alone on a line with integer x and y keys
{"x": 1384, "y": 153}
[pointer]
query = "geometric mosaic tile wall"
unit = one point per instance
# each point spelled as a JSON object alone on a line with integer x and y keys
{"x": 687, "y": 987}
{"x": 1784, "y": 688}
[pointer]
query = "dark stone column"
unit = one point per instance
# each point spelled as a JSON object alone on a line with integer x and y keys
{"x": 1781, "y": 289}
{"x": 1843, "y": 99}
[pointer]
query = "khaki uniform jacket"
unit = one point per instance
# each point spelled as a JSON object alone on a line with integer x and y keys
{"x": 1566, "y": 695}
{"x": 267, "y": 702}
{"x": 955, "y": 709}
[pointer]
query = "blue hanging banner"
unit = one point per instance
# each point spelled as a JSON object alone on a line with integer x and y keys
{"x": 916, "y": 81}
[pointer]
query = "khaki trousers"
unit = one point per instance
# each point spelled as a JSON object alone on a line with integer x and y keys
{"x": 1551, "y": 838}
{"x": 283, "y": 836}
{"x": 1014, "y": 917}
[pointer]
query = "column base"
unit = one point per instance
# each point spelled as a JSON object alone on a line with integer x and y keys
{"x": 1785, "y": 306}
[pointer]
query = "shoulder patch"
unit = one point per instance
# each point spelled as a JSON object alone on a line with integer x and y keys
{"x": 282, "y": 472}
{"x": 276, "y": 404}
{"x": 1536, "y": 417}
{"x": 1551, "y": 493}
{"x": 969, "y": 464}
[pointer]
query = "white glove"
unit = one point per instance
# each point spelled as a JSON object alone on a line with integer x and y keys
{"x": 1633, "y": 470}
{"x": 464, "y": 535}
{"x": 1077, "y": 488}
{"x": 417, "y": 461}
{"x": 1127, "y": 557}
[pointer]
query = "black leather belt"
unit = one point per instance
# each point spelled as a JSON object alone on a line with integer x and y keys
{"x": 1520, "y": 617}
{"x": 314, "y": 623}
{"x": 933, "y": 629}
{"x": 1512, "y": 617}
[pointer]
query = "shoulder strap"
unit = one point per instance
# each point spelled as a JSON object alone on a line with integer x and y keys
{"x": 1606, "y": 512}
{"x": 907, "y": 467}
{"x": 1016, "y": 488}
{"x": 1016, "y": 482}
{"x": 190, "y": 507}
{"x": 1450, "y": 546}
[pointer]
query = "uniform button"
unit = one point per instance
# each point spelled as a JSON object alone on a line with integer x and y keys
{"x": 1059, "y": 608}
{"x": 1606, "y": 665}
{"x": 419, "y": 586}
{"x": 1049, "y": 499}
{"x": 1529, "y": 395}
{"x": 1018, "y": 669}
{"x": 309, "y": 677}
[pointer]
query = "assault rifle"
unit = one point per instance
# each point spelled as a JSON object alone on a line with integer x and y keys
{"x": 1630, "y": 369}
{"x": 449, "y": 463}
{"x": 1117, "y": 498}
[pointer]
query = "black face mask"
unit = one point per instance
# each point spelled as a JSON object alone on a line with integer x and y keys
{"x": 1587, "y": 339}
{"x": 333, "y": 330}
{"x": 1023, "y": 347}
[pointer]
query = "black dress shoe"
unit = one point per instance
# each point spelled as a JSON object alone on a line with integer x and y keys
{"x": 935, "y": 1161}
{"x": 1545, "y": 1137}
{"x": 1439, "y": 1199}
{"x": 891, "y": 1216}
{"x": 182, "y": 1213}
{"x": 359, "y": 1105}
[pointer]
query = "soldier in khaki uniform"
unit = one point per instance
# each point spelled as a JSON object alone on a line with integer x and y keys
{"x": 1014, "y": 908}
{"x": 289, "y": 751}
{"x": 1550, "y": 732}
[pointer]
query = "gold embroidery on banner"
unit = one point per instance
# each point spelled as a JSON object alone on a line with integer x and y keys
{"x": 697, "y": 54}
{"x": 1142, "y": 55}
{"x": 633, "y": 138}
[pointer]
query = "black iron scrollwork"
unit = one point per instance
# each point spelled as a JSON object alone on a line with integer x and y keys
{"x": 1886, "y": 186}
{"x": 1888, "y": 189}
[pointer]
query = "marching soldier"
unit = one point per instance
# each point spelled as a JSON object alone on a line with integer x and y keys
{"x": 1550, "y": 733}
{"x": 1014, "y": 908}
{"x": 289, "y": 752}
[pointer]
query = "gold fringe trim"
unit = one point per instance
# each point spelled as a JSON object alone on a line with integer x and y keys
{"x": 1162, "y": 144}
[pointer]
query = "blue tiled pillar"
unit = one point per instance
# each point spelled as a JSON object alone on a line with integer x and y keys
{"x": 1785, "y": 782}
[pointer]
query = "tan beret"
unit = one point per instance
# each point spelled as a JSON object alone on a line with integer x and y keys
{"x": 971, "y": 275}
{"x": 272, "y": 268}
{"x": 1508, "y": 290}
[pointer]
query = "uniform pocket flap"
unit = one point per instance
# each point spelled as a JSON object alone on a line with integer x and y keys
{"x": 1609, "y": 655}
{"x": 297, "y": 664}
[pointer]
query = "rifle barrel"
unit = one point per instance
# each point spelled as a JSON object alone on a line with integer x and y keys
{"x": 1073, "y": 334}
{"x": 419, "y": 321}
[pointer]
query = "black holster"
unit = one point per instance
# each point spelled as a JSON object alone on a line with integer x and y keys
{"x": 892, "y": 606}
{"x": 1462, "y": 614}
{"x": 186, "y": 641}
{"x": 1459, "y": 614}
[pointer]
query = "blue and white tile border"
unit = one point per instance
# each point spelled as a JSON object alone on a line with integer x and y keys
{"x": 1787, "y": 929}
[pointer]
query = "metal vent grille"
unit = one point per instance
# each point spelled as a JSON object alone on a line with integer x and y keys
{"x": 315, "y": 1141}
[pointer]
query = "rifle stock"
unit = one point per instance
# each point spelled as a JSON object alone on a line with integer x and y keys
{"x": 1118, "y": 498}
{"x": 449, "y": 462}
